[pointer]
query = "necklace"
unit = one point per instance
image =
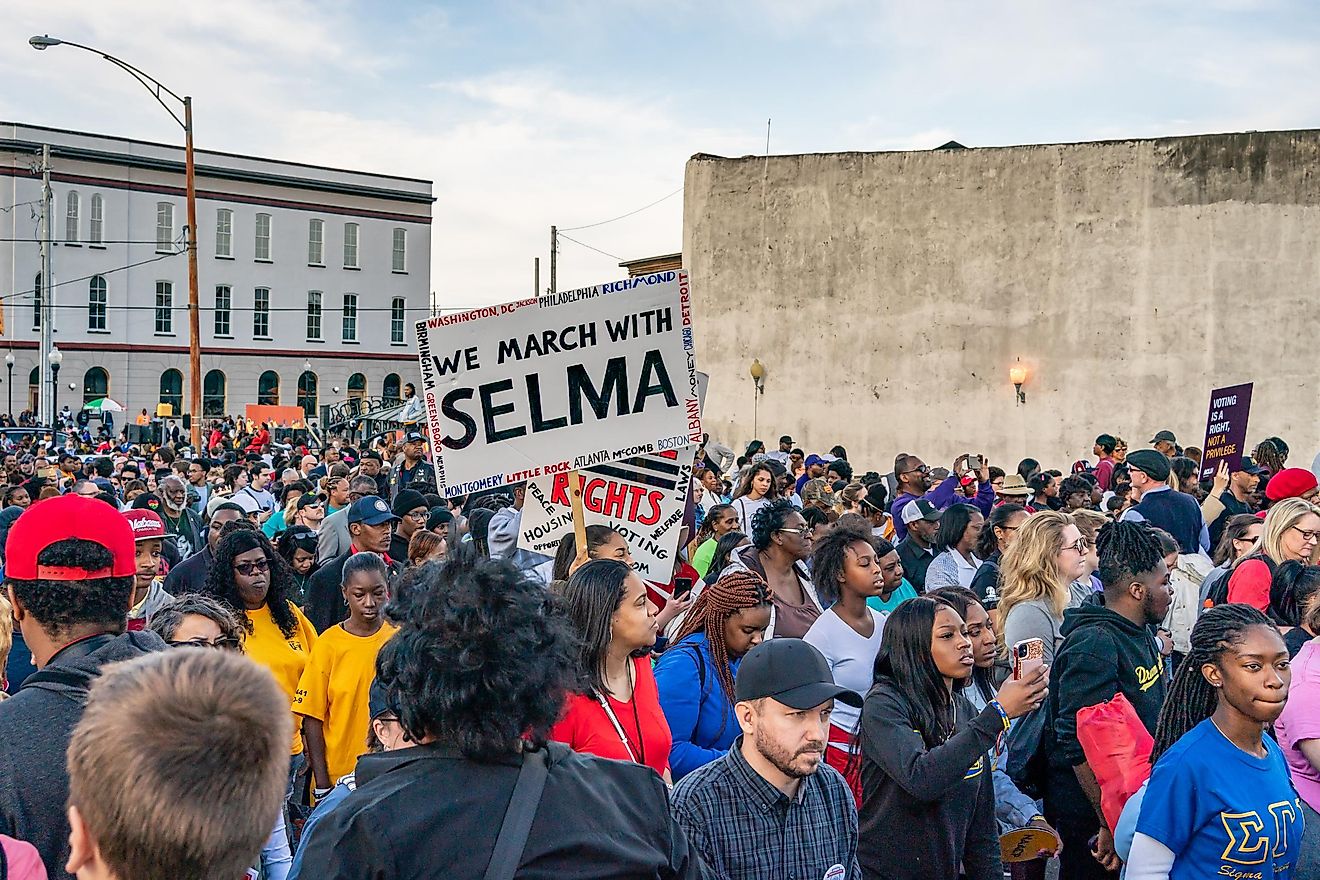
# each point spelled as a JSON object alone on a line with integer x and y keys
{"x": 1235, "y": 745}
{"x": 637, "y": 722}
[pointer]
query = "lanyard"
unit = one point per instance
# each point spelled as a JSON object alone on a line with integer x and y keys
{"x": 618, "y": 728}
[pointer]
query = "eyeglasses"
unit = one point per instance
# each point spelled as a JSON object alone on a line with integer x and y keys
{"x": 226, "y": 643}
{"x": 248, "y": 569}
{"x": 1079, "y": 545}
{"x": 1308, "y": 536}
{"x": 419, "y": 515}
{"x": 803, "y": 532}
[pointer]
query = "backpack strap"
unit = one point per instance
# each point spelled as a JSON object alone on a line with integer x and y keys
{"x": 517, "y": 823}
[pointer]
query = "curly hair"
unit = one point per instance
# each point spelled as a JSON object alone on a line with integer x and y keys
{"x": 165, "y": 622}
{"x": 483, "y": 657}
{"x": 768, "y": 520}
{"x": 829, "y": 559}
{"x": 61, "y": 605}
{"x": 220, "y": 578}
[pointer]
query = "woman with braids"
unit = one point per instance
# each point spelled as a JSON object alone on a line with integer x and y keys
{"x": 928, "y": 804}
{"x": 1292, "y": 531}
{"x": 721, "y": 520}
{"x": 846, "y": 568}
{"x": 250, "y": 577}
{"x": 1108, "y": 649}
{"x": 695, "y": 675}
{"x": 781, "y": 542}
{"x": 1220, "y": 801}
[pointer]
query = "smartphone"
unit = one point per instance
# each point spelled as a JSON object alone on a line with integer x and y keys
{"x": 1028, "y": 656}
{"x": 682, "y": 586}
{"x": 973, "y": 462}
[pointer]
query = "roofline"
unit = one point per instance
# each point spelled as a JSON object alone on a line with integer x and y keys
{"x": 626, "y": 263}
{"x": 1314, "y": 132}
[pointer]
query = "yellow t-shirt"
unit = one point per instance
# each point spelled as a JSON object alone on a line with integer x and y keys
{"x": 284, "y": 657}
{"x": 334, "y": 690}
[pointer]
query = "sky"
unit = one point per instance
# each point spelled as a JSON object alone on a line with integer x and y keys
{"x": 571, "y": 113}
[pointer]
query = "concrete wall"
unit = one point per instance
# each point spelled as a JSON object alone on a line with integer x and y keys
{"x": 889, "y": 294}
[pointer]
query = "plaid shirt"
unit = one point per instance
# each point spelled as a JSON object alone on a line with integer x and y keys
{"x": 746, "y": 829}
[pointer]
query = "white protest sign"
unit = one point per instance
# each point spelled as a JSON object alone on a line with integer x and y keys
{"x": 569, "y": 380}
{"x": 641, "y": 498}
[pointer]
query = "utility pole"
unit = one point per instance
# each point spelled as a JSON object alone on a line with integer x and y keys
{"x": 536, "y": 276}
{"x": 46, "y": 293}
{"x": 194, "y": 328}
{"x": 554, "y": 260}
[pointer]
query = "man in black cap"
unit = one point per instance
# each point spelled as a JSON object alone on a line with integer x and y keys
{"x": 1175, "y": 512}
{"x": 917, "y": 549}
{"x": 370, "y": 528}
{"x": 1165, "y": 443}
{"x": 413, "y": 471}
{"x": 771, "y": 807}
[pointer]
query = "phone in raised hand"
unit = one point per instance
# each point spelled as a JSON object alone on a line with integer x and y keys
{"x": 1028, "y": 656}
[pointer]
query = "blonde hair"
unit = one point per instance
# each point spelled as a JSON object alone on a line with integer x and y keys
{"x": 1282, "y": 517}
{"x": 1029, "y": 569}
{"x": 850, "y": 499}
{"x": 6, "y": 628}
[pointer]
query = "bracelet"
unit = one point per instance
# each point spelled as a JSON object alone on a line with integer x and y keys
{"x": 1003, "y": 716}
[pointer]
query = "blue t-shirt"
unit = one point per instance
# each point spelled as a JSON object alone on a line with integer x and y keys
{"x": 902, "y": 594}
{"x": 1222, "y": 812}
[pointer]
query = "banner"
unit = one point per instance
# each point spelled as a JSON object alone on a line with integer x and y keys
{"x": 280, "y": 416}
{"x": 641, "y": 498}
{"x": 567, "y": 381}
{"x": 1226, "y": 429}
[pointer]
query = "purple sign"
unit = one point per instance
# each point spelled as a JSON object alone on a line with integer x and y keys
{"x": 1226, "y": 429}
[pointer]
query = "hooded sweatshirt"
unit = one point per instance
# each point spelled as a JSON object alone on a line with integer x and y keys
{"x": 1103, "y": 654}
{"x": 35, "y": 726}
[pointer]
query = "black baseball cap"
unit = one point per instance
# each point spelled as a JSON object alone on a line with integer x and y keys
{"x": 1165, "y": 437}
{"x": 378, "y": 703}
{"x": 1252, "y": 468}
{"x": 792, "y": 672}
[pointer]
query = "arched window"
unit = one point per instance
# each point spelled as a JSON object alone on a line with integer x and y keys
{"x": 213, "y": 394}
{"x": 71, "y": 218}
{"x": 34, "y": 388}
{"x": 307, "y": 393}
{"x": 391, "y": 389}
{"x": 171, "y": 389}
{"x": 96, "y": 222}
{"x": 97, "y": 298}
{"x": 357, "y": 386}
{"x": 268, "y": 389}
{"x": 96, "y": 384}
{"x": 37, "y": 293}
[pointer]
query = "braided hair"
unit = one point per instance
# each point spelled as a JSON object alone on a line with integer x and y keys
{"x": 1267, "y": 454}
{"x": 735, "y": 592}
{"x": 1191, "y": 698}
{"x": 1127, "y": 551}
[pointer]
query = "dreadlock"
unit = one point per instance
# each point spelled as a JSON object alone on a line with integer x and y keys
{"x": 1267, "y": 454}
{"x": 1191, "y": 698}
{"x": 736, "y": 591}
{"x": 1127, "y": 551}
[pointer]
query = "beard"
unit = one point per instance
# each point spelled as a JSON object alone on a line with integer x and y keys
{"x": 791, "y": 764}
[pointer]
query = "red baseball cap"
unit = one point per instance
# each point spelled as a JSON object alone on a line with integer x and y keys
{"x": 147, "y": 524}
{"x": 68, "y": 516}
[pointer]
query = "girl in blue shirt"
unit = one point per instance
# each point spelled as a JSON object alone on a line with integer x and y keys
{"x": 1220, "y": 801}
{"x": 695, "y": 675}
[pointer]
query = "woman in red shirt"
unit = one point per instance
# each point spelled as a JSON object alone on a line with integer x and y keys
{"x": 617, "y": 714}
{"x": 1292, "y": 532}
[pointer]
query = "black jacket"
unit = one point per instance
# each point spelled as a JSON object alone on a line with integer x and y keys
{"x": 421, "y": 478}
{"x": 926, "y": 812}
{"x": 915, "y": 562}
{"x": 428, "y": 812}
{"x": 35, "y": 726}
{"x": 189, "y": 576}
{"x": 324, "y": 603}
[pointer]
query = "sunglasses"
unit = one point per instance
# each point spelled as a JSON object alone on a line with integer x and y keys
{"x": 225, "y": 643}
{"x": 248, "y": 569}
{"x": 921, "y": 469}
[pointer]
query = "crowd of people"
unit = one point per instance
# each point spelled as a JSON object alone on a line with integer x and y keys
{"x": 921, "y": 673}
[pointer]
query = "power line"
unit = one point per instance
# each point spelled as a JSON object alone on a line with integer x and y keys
{"x": 33, "y": 291}
{"x": 589, "y": 247}
{"x": 622, "y": 216}
{"x": 88, "y": 243}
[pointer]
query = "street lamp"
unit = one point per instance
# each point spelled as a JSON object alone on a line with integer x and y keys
{"x": 159, "y": 91}
{"x": 56, "y": 357}
{"x": 9, "y": 362}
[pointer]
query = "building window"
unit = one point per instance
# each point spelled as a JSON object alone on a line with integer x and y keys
{"x": 37, "y": 293}
{"x": 164, "y": 307}
{"x": 96, "y": 303}
{"x": 34, "y": 386}
{"x": 307, "y": 393}
{"x": 350, "y": 245}
{"x": 224, "y": 232}
{"x": 171, "y": 390}
{"x": 400, "y": 258}
{"x": 71, "y": 218}
{"x": 268, "y": 389}
{"x": 316, "y": 242}
{"x": 261, "y": 313}
{"x": 263, "y": 237}
{"x": 350, "y": 317}
{"x": 313, "y": 314}
{"x": 96, "y": 220}
{"x": 96, "y": 384}
{"x": 213, "y": 394}
{"x": 390, "y": 390}
{"x": 357, "y": 386}
{"x": 396, "y": 320}
{"x": 224, "y": 300}
{"x": 164, "y": 227}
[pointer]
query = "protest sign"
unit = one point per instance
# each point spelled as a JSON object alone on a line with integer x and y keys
{"x": 641, "y": 498}
{"x": 1226, "y": 429}
{"x": 568, "y": 380}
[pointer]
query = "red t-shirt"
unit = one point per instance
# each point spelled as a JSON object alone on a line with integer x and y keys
{"x": 1250, "y": 584}
{"x": 586, "y": 728}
